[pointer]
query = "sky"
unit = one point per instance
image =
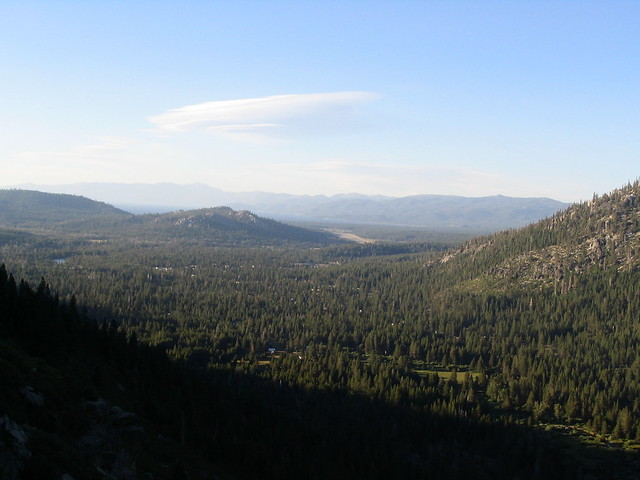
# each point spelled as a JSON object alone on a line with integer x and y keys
{"x": 473, "y": 98}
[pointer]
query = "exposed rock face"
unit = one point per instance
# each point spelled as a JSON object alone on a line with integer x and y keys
{"x": 111, "y": 443}
{"x": 603, "y": 233}
{"x": 216, "y": 217}
{"x": 13, "y": 448}
{"x": 31, "y": 396}
{"x": 113, "y": 440}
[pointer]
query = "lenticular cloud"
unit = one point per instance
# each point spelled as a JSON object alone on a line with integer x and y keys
{"x": 260, "y": 114}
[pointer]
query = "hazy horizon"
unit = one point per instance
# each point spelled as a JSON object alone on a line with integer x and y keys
{"x": 62, "y": 187}
{"x": 385, "y": 98}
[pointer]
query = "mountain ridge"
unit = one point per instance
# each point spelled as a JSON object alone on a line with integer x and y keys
{"x": 15, "y": 204}
{"x": 64, "y": 213}
{"x": 601, "y": 233}
{"x": 445, "y": 212}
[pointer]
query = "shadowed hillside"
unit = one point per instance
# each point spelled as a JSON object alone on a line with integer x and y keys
{"x": 86, "y": 402}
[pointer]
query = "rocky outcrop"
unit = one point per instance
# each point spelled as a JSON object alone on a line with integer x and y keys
{"x": 31, "y": 396}
{"x": 13, "y": 448}
{"x": 113, "y": 440}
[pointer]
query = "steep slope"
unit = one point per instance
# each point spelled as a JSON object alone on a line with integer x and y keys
{"x": 553, "y": 309}
{"x": 83, "y": 402}
{"x": 599, "y": 234}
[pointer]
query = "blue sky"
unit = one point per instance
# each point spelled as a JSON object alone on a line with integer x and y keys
{"x": 319, "y": 97}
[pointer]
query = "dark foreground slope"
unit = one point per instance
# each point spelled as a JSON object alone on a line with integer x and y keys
{"x": 84, "y": 401}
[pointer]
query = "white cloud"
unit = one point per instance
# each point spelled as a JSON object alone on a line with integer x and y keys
{"x": 254, "y": 133}
{"x": 259, "y": 118}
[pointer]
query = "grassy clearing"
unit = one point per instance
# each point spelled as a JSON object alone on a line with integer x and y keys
{"x": 423, "y": 369}
{"x": 460, "y": 376}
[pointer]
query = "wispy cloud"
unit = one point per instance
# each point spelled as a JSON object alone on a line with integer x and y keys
{"x": 254, "y": 118}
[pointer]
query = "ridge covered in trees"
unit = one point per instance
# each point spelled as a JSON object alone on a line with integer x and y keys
{"x": 37, "y": 212}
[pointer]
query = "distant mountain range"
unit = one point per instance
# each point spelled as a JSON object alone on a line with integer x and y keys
{"x": 442, "y": 212}
{"x": 38, "y": 212}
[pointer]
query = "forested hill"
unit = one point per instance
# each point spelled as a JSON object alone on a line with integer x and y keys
{"x": 38, "y": 212}
{"x": 223, "y": 225}
{"x": 603, "y": 233}
{"x": 28, "y": 208}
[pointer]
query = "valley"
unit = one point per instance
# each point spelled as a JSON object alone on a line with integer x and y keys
{"x": 256, "y": 348}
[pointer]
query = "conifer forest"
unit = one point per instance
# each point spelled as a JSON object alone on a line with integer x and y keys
{"x": 159, "y": 347}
